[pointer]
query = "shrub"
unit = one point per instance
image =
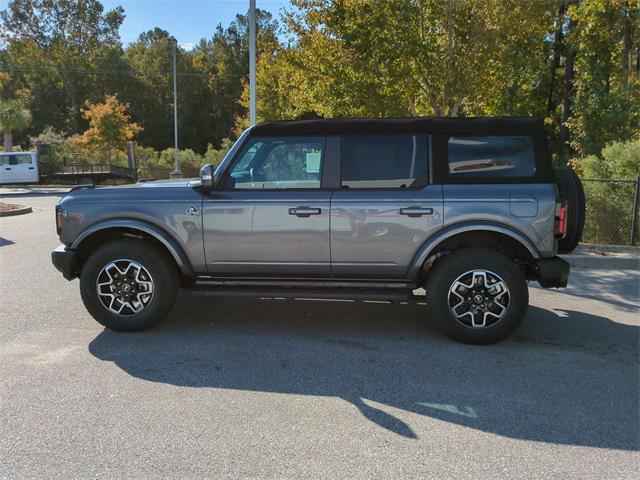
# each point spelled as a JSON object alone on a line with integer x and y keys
{"x": 609, "y": 204}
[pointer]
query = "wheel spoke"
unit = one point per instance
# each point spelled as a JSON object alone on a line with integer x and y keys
{"x": 124, "y": 287}
{"x": 478, "y": 298}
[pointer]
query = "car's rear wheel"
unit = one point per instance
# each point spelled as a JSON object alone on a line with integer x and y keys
{"x": 478, "y": 296}
{"x": 129, "y": 285}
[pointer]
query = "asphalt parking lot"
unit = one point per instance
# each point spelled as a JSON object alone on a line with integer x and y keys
{"x": 239, "y": 388}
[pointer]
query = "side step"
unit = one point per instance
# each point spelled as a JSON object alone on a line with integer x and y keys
{"x": 388, "y": 295}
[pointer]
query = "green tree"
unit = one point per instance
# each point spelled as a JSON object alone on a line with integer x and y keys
{"x": 13, "y": 117}
{"x": 68, "y": 38}
{"x": 419, "y": 57}
{"x": 150, "y": 59}
{"x": 606, "y": 102}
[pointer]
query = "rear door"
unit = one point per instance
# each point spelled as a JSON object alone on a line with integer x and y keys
{"x": 385, "y": 207}
{"x": 270, "y": 217}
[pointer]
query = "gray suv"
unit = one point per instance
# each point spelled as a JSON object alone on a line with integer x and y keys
{"x": 468, "y": 209}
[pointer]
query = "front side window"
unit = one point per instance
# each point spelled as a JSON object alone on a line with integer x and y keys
{"x": 383, "y": 161}
{"x": 20, "y": 158}
{"x": 491, "y": 157}
{"x": 278, "y": 163}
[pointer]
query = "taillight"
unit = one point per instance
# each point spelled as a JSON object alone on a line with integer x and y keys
{"x": 58, "y": 220}
{"x": 560, "y": 227}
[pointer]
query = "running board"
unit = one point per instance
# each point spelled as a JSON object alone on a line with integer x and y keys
{"x": 205, "y": 281}
{"x": 327, "y": 293}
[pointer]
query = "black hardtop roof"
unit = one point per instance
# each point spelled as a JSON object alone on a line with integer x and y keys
{"x": 445, "y": 125}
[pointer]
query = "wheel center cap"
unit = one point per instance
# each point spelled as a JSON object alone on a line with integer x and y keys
{"x": 478, "y": 299}
{"x": 126, "y": 287}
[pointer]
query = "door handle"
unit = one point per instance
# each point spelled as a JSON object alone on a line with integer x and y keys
{"x": 304, "y": 211}
{"x": 416, "y": 211}
{"x": 7, "y": 168}
{"x": 31, "y": 168}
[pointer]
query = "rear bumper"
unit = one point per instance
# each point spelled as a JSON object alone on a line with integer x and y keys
{"x": 64, "y": 259}
{"x": 552, "y": 272}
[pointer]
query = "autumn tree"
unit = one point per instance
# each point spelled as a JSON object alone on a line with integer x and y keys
{"x": 110, "y": 126}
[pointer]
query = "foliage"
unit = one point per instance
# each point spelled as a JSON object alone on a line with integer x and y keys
{"x": 61, "y": 46}
{"x": 13, "y": 117}
{"x": 575, "y": 63}
{"x": 609, "y": 204}
{"x": 62, "y": 150}
{"x": 110, "y": 126}
{"x": 619, "y": 160}
{"x": 607, "y": 89}
{"x": 154, "y": 164}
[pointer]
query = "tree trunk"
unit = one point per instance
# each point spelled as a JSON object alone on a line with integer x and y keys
{"x": 567, "y": 97}
{"x": 555, "y": 63}
{"x": 8, "y": 141}
{"x": 627, "y": 28}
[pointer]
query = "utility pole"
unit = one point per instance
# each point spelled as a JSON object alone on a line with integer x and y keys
{"x": 252, "y": 62}
{"x": 176, "y": 172}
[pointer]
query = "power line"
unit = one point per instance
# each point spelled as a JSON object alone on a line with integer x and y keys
{"x": 111, "y": 72}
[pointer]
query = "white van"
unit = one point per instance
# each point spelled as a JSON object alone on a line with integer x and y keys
{"x": 18, "y": 167}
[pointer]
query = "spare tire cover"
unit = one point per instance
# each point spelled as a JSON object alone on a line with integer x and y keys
{"x": 571, "y": 191}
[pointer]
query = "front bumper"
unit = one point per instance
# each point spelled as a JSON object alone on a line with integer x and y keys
{"x": 552, "y": 272}
{"x": 65, "y": 260}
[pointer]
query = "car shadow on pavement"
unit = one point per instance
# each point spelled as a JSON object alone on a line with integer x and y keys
{"x": 565, "y": 377}
{"x": 605, "y": 286}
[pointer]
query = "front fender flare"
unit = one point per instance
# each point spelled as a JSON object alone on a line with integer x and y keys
{"x": 154, "y": 231}
{"x": 466, "y": 227}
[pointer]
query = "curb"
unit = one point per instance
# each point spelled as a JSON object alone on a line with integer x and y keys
{"x": 15, "y": 211}
{"x": 603, "y": 262}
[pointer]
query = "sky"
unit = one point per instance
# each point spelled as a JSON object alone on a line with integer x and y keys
{"x": 187, "y": 20}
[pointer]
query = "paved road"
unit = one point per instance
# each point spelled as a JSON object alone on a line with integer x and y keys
{"x": 291, "y": 389}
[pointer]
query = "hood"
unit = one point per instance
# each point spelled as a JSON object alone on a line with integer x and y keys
{"x": 145, "y": 190}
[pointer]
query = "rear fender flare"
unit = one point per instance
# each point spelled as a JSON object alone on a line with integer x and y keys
{"x": 465, "y": 227}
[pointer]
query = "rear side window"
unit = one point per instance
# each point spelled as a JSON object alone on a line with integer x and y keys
{"x": 491, "y": 157}
{"x": 383, "y": 161}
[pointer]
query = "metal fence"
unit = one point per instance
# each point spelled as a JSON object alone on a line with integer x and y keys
{"x": 612, "y": 211}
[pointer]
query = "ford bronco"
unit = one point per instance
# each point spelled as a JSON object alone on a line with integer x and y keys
{"x": 468, "y": 209}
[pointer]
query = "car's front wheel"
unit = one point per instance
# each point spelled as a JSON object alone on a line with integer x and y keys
{"x": 129, "y": 285}
{"x": 478, "y": 296}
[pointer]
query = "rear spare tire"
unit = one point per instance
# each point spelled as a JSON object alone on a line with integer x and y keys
{"x": 571, "y": 191}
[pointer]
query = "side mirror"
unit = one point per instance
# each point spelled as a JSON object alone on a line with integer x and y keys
{"x": 207, "y": 176}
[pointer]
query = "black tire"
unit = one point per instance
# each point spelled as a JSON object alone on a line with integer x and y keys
{"x": 158, "y": 264}
{"x": 447, "y": 270}
{"x": 571, "y": 191}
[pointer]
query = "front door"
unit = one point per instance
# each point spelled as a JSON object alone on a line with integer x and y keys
{"x": 269, "y": 215}
{"x": 23, "y": 166}
{"x": 385, "y": 209}
{"x": 6, "y": 170}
